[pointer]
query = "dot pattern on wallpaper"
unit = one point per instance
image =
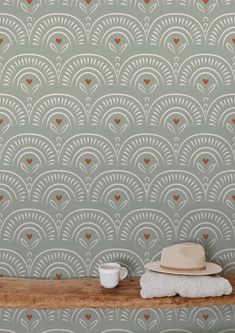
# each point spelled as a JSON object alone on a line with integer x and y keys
{"x": 117, "y": 121}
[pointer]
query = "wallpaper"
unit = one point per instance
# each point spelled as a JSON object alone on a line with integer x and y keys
{"x": 117, "y": 122}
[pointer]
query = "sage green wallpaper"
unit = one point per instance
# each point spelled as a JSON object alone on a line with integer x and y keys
{"x": 117, "y": 122}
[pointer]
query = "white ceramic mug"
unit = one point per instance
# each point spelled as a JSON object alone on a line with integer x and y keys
{"x": 111, "y": 273}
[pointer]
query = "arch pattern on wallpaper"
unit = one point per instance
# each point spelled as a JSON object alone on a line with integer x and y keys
{"x": 117, "y": 122}
{"x": 186, "y": 320}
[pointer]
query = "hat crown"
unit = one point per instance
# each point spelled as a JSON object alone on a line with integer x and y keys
{"x": 188, "y": 256}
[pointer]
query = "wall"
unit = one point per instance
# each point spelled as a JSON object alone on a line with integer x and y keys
{"x": 117, "y": 138}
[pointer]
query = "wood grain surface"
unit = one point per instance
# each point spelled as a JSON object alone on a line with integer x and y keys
{"x": 87, "y": 292}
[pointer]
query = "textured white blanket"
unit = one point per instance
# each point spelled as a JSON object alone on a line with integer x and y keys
{"x": 159, "y": 285}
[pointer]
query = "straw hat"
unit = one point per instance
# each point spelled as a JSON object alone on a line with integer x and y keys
{"x": 184, "y": 259}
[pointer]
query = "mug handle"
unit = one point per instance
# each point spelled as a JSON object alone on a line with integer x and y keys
{"x": 123, "y": 273}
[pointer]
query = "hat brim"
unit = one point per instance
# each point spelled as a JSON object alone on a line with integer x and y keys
{"x": 210, "y": 269}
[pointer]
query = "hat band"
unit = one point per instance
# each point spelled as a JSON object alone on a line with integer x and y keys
{"x": 183, "y": 269}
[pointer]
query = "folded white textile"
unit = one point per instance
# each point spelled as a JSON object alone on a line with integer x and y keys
{"x": 155, "y": 284}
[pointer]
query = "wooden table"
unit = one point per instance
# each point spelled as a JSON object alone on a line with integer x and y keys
{"x": 87, "y": 292}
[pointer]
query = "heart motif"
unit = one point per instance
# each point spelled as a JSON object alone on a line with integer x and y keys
{"x": 146, "y": 316}
{"x": 58, "y": 40}
{"x": 205, "y": 236}
{"x": 205, "y": 160}
{"x": 205, "y": 81}
{"x": 176, "y": 120}
{"x": 233, "y": 40}
{"x": 29, "y": 1}
{"x": 233, "y": 197}
{"x": 88, "y": 1}
{"x": 58, "y": 276}
{"x": 88, "y": 316}
{"x": 29, "y": 81}
{"x": 88, "y": 236}
{"x": 146, "y": 160}
{"x": 176, "y": 197}
{"x": 117, "y": 197}
{"x": 146, "y": 236}
{"x": 146, "y": 81}
{"x": 1, "y": 40}
{"x": 88, "y": 160}
{"x": 29, "y": 236}
{"x": 117, "y": 40}
{"x": 29, "y": 316}
{"x": 205, "y": 316}
{"x": 29, "y": 160}
{"x": 58, "y": 120}
{"x": 233, "y": 121}
{"x": 88, "y": 81}
{"x": 1, "y": 121}
{"x": 58, "y": 197}
{"x": 1, "y": 197}
{"x": 117, "y": 121}
{"x": 206, "y": 1}
{"x": 176, "y": 40}
{"x": 147, "y": 1}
